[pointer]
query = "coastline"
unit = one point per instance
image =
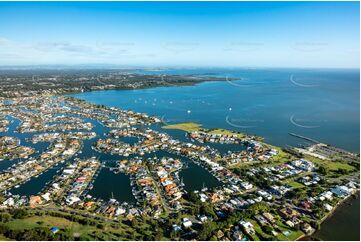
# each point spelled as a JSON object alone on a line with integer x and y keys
{"x": 330, "y": 215}
{"x": 84, "y": 87}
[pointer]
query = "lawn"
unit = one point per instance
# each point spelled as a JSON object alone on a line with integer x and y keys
{"x": 292, "y": 180}
{"x": 73, "y": 227}
{"x": 338, "y": 165}
{"x": 295, "y": 184}
{"x": 188, "y": 127}
{"x": 191, "y": 127}
{"x": 49, "y": 221}
{"x": 226, "y": 132}
{"x": 330, "y": 165}
{"x": 281, "y": 158}
{"x": 259, "y": 230}
{"x": 293, "y": 235}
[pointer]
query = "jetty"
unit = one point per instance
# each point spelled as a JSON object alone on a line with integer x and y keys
{"x": 304, "y": 138}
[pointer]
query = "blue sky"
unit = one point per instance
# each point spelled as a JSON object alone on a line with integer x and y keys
{"x": 234, "y": 34}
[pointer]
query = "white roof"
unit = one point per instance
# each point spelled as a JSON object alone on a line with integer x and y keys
{"x": 187, "y": 223}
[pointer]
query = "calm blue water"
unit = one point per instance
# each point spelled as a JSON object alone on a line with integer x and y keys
{"x": 36, "y": 184}
{"x": 110, "y": 185}
{"x": 320, "y": 104}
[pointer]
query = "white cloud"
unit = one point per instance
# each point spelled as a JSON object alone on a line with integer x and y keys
{"x": 4, "y": 41}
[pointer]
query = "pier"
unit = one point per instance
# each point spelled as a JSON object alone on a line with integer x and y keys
{"x": 304, "y": 138}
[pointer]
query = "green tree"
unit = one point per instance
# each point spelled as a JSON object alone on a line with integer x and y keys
{"x": 207, "y": 230}
{"x": 322, "y": 170}
{"x": 207, "y": 209}
{"x": 20, "y": 213}
{"x": 5, "y": 217}
{"x": 259, "y": 208}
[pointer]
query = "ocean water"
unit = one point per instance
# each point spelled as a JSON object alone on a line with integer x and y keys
{"x": 322, "y": 104}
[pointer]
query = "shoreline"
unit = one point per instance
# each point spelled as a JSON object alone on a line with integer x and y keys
{"x": 336, "y": 208}
{"x": 182, "y": 84}
{"x": 111, "y": 86}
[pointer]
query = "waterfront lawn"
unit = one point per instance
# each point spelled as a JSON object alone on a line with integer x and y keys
{"x": 192, "y": 127}
{"x": 226, "y": 132}
{"x": 187, "y": 127}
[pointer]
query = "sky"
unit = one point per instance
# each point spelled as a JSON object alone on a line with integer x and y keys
{"x": 199, "y": 34}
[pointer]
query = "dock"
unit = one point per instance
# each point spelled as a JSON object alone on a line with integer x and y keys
{"x": 304, "y": 138}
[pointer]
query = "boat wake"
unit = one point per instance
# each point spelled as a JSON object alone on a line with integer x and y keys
{"x": 301, "y": 84}
{"x": 239, "y": 126}
{"x": 302, "y": 126}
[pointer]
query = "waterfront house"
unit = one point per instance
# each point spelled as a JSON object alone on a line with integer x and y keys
{"x": 326, "y": 195}
{"x": 305, "y": 227}
{"x": 328, "y": 207}
{"x": 34, "y": 201}
{"x": 341, "y": 191}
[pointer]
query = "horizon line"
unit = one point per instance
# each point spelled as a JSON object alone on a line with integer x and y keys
{"x": 122, "y": 66}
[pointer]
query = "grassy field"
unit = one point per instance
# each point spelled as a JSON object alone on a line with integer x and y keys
{"x": 192, "y": 127}
{"x": 187, "y": 127}
{"x": 259, "y": 231}
{"x": 74, "y": 228}
{"x": 281, "y": 158}
{"x": 330, "y": 165}
{"x": 295, "y": 184}
{"x": 49, "y": 221}
{"x": 226, "y": 132}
